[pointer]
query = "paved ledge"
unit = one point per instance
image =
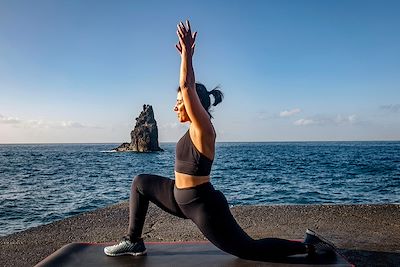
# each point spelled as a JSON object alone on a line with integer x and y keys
{"x": 368, "y": 235}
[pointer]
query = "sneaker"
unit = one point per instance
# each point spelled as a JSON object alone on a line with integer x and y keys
{"x": 319, "y": 245}
{"x": 126, "y": 247}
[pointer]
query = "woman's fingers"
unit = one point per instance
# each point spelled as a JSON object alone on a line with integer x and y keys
{"x": 193, "y": 47}
{"x": 178, "y": 46}
{"x": 189, "y": 31}
{"x": 180, "y": 32}
{"x": 183, "y": 25}
{"x": 182, "y": 28}
{"x": 186, "y": 38}
{"x": 185, "y": 28}
{"x": 194, "y": 36}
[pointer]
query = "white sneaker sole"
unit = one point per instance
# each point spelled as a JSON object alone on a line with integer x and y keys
{"x": 142, "y": 253}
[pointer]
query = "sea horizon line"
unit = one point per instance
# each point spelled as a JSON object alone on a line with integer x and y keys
{"x": 220, "y": 142}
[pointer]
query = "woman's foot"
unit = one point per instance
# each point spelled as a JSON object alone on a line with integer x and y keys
{"x": 317, "y": 245}
{"x": 126, "y": 247}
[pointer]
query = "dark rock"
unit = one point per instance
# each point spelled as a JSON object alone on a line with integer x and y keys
{"x": 123, "y": 147}
{"x": 144, "y": 137}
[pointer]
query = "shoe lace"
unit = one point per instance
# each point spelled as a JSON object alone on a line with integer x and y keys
{"x": 126, "y": 238}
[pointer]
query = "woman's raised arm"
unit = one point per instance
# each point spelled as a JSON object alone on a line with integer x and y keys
{"x": 197, "y": 114}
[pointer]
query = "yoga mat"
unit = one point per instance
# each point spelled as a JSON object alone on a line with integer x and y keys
{"x": 175, "y": 254}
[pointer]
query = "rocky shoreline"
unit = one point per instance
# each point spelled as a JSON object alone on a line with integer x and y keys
{"x": 368, "y": 235}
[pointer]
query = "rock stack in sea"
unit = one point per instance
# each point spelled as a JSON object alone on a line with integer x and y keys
{"x": 144, "y": 137}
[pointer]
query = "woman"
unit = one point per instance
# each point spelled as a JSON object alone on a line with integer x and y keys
{"x": 191, "y": 195}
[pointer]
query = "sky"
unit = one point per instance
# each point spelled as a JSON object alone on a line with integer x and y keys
{"x": 80, "y": 71}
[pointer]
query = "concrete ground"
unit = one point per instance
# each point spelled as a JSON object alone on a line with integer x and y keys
{"x": 368, "y": 235}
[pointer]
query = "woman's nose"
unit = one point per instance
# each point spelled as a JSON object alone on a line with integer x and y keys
{"x": 175, "y": 108}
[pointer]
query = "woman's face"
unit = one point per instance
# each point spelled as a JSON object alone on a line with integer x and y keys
{"x": 180, "y": 109}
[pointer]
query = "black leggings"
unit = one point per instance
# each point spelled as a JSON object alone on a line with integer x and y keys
{"x": 209, "y": 210}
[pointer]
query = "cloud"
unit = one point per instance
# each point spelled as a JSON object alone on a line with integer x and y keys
{"x": 73, "y": 124}
{"x": 263, "y": 115}
{"x": 304, "y": 122}
{"x": 345, "y": 119}
{"x": 289, "y": 113}
{"x": 391, "y": 108}
{"x": 63, "y": 125}
{"x": 327, "y": 120}
{"x": 9, "y": 120}
{"x": 45, "y": 124}
{"x": 35, "y": 124}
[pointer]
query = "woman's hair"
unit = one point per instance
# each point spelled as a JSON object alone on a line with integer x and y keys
{"x": 204, "y": 96}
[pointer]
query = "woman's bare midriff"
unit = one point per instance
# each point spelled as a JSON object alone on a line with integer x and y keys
{"x": 183, "y": 180}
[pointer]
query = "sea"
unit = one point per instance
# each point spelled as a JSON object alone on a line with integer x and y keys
{"x": 42, "y": 183}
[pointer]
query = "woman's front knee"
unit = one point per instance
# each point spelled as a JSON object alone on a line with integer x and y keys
{"x": 137, "y": 182}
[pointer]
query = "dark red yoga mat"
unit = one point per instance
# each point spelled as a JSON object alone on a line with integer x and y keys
{"x": 170, "y": 254}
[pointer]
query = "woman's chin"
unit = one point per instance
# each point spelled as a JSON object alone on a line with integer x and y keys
{"x": 182, "y": 120}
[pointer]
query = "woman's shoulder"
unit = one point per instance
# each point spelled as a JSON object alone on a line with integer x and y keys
{"x": 203, "y": 133}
